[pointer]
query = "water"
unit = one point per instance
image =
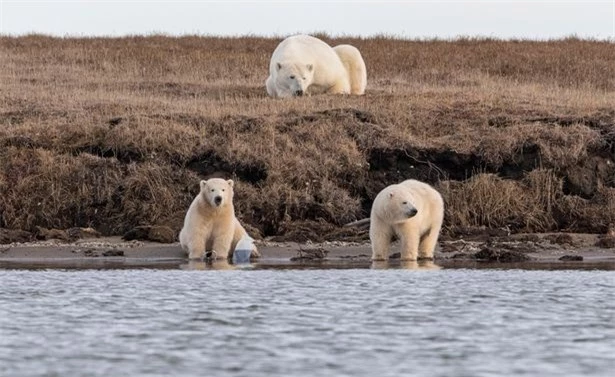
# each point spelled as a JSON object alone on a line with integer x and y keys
{"x": 311, "y": 322}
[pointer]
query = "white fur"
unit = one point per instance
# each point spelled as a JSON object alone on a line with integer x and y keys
{"x": 355, "y": 67}
{"x": 303, "y": 65}
{"x": 389, "y": 216}
{"x": 212, "y": 226}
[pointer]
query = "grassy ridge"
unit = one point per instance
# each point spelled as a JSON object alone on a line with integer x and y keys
{"x": 116, "y": 132}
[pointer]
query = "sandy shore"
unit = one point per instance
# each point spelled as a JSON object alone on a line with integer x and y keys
{"x": 519, "y": 251}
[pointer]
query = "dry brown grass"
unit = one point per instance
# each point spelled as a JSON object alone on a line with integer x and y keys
{"x": 113, "y": 133}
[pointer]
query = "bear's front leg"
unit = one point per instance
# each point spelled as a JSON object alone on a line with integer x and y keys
{"x": 196, "y": 248}
{"x": 380, "y": 235}
{"x": 428, "y": 244}
{"x": 270, "y": 85}
{"x": 222, "y": 245}
{"x": 410, "y": 238}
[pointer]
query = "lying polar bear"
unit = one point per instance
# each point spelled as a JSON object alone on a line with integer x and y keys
{"x": 302, "y": 64}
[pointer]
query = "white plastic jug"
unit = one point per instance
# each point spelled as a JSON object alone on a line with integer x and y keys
{"x": 243, "y": 250}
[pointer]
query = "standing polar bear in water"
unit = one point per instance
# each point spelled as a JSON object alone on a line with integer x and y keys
{"x": 411, "y": 210}
{"x": 210, "y": 223}
{"x": 302, "y": 64}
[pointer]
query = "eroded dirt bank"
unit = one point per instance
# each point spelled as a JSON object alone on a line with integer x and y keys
{"x": 113, "y": 134}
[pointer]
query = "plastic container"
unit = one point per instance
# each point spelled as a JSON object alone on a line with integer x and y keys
{"x": 243, "y": 250}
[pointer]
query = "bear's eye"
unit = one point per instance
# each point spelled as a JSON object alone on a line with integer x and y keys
{"x": 292, "y": 77}
{"x": 404, "y": 203}
{"x": 222, "y": 190}
{"x": 212, "y": 190}
{"x": 304, "y": 78}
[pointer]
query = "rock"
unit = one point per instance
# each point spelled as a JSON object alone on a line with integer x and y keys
{"x": 88, "y": 252}
{"x": 318, "y": 253}
{"x": 14, "y": 235}
{"x": 51, "y": 234}
{"x": 462, "y": 256}
{"x": 162, "y": 234}
{"x": 606, "y": 242}
{"x": 155, "y": 233}
{"x": 561, "y": 239}
{"x": 113, "y": 253}
{"x": 137, "y": 233}
{"x": 95, "y": 253}
{"x": 458, "y": 246}
{"x": 571, "y": 258}
{"x": 77, "y": 233}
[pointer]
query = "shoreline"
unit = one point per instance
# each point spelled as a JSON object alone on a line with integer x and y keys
{"x": 525, "y": 251}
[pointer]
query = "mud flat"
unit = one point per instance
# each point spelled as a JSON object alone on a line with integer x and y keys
{"x": 528, "y": 251}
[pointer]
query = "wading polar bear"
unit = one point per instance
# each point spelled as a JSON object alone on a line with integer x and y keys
{"x": 411, "y": 210}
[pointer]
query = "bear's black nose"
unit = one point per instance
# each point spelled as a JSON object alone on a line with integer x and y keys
{"x": 412, "y": 212}
{"x": 218, "y": 200}
{"x": 299, "y": 93}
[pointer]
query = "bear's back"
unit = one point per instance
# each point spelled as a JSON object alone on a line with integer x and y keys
{"x": 303, "y": 48}
{"x": 303, "y": 41}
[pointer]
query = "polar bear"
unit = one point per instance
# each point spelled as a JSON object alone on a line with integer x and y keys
{"x": 355, "y": 67}
{"x": 411, "y": 210}
{"x": 210, "y": 223}
{"x": 302, "y": 64}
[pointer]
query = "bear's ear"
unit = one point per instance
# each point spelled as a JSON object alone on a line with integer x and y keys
{"x": 203, "y": 184}
{"x": 279, "y": 65}
{"x": 310, "y": 67}
{"x": 230, "y": 182}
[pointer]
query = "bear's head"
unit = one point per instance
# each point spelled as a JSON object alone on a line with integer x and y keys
{"x": 293, "y": 79}
{"x": 399, "y": 204}
{"x": 217, "y": 192}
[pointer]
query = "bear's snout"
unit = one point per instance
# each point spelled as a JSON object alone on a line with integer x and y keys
{"x": 411, "y": 212}
{"x": 218, "y": 200}
{"x": 299, "y": 93}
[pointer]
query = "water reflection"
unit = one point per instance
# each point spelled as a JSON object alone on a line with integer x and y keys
{"x": 405, "y": 265}
{"x": 197, "y": 265}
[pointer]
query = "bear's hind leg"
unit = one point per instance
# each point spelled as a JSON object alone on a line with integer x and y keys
{"x": 342, "y": 87}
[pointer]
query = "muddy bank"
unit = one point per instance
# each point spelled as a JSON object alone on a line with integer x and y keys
{"x": 519, "y": 251}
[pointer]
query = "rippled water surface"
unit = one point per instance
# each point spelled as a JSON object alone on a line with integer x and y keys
{"x": 314, "y": 322}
